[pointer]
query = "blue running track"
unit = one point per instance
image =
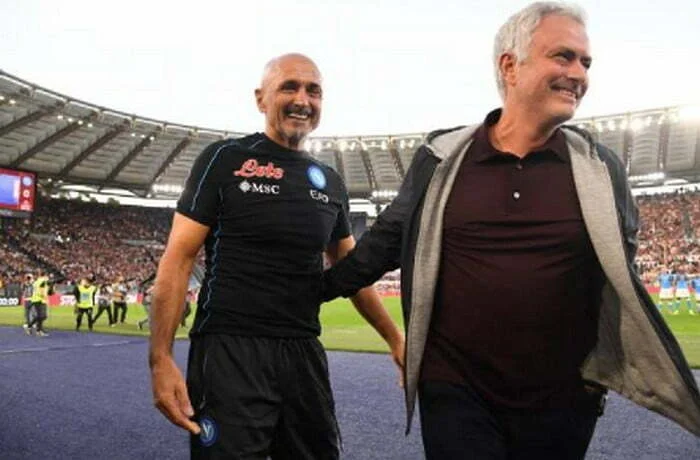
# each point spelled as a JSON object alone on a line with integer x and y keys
{"x": 87, "y": 396}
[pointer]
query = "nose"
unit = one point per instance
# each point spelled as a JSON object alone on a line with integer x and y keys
{"x": 577, "y": 71}
{"x": 302, "y": 98}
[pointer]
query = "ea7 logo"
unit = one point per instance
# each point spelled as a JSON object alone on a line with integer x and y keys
{"x": 318, "y": 196}
{"x": 265, "y": 189}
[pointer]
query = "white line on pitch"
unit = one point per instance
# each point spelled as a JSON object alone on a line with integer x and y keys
{"x": 22, "y": 350}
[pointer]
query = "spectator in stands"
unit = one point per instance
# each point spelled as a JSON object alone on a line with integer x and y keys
{"x": 265, "y": 211}
{"x": 501, "y": 231}
{"x": 75, "y": 237}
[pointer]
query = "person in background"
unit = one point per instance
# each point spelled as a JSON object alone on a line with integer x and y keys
{"x": 84, "y": 293}
{"x": 695, "y": 284}
{"x": 666, "y": 292}
{"x": 682, "y": 294}
{"x": 29, "y": 312}
{"x": 119, "y": 291}
{"x": 104, "y": 305}
{"x": 146, "y": 301}
{"x": 40, "y": 299}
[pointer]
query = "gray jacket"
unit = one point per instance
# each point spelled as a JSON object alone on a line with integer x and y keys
{"x": 636, "y": 355}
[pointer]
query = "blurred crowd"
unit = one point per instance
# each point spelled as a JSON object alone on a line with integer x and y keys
{"x": 73, "y": 239}
{"x": 668, "y": 236}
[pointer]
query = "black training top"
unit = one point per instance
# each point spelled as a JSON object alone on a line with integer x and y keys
{"x": 272, "y": 211}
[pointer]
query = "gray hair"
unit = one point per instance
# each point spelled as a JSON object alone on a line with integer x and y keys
{"x": 516, "y": 34}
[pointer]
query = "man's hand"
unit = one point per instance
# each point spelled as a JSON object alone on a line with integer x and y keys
{"x": 369, "y": 305}
{"x": 167, "y": 304}
{"x": 170, "y": 394}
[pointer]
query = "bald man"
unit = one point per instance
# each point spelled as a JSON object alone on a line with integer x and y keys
{"x": 266, "y": 212}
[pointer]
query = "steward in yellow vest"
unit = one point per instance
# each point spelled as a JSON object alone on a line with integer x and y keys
{"x": 39, "y": 302}
{"x": 85, "y": 302}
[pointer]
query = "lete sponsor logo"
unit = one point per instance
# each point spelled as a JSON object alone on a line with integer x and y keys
{"x": 251, "y": 168}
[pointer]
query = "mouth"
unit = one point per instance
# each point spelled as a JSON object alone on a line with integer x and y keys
{"x": 569, "y": 93}
{"x": 298, "y": 114}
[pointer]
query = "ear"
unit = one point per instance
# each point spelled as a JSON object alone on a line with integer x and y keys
{"x": 507, "y": 64}
{"x": 259, "y": 100}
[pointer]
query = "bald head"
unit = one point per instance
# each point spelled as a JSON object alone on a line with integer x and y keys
{"x": 275, "y": 65}
{"x": 290, "y": 96}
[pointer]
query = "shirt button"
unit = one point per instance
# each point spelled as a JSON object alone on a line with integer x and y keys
{"x": 519, "y": 166}
{"x": 516, "y": 195}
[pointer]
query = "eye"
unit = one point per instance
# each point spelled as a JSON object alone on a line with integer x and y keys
{"x": 314, "y": 90}
{"x": 569, "y": 56}
{"x": 564, "y": 56}
{"x": 289, "y": 87}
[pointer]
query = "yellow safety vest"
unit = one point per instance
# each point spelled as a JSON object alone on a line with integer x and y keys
{"x": 87, "y": 296}
{"x": 40, "y": 290}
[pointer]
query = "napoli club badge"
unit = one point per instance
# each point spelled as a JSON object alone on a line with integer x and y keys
{"x": 316, "y": 176}
{"x": 209, "y": 433}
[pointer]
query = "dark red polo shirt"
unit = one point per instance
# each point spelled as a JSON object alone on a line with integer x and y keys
{"x": 517, "y": 305}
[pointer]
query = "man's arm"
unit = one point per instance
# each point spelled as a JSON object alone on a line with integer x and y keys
{"x": 379, "y": 249}
{"x": 370, "y": 306}
{"x": 169, "y": 389}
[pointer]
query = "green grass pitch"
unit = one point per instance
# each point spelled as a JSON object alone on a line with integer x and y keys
{"x": 343, "y": 327}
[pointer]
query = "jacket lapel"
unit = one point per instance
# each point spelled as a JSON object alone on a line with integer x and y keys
{"x": 451, "y": 148}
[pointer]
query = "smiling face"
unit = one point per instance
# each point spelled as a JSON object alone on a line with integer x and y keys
{"x": 551, "y": 81}
{"x": 290, "y": 97}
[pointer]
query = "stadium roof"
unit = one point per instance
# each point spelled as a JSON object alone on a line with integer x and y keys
{"x": 76, "y": 143}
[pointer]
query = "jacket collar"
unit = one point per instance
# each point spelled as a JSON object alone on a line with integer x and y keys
{"x": 445, "y": 143}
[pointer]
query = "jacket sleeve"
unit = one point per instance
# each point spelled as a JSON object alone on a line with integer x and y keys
{"x": 379, "y": 249}
{"x": 627, "y": 210}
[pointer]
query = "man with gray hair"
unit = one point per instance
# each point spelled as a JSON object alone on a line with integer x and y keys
{"x": 516, "y": 241}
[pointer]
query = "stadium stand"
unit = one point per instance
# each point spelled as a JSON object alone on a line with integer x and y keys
{"x": 72, "y": 143}
{"x": 667, "y": 238}
{"x": 74, "y": 238}
{"x": 76, "y": 146}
